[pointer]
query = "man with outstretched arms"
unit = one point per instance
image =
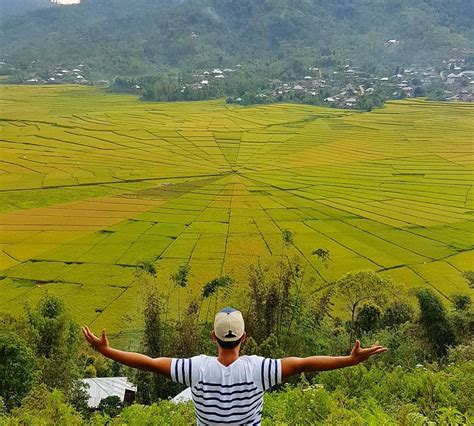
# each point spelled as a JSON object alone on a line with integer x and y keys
{"x": 228, "y": 389}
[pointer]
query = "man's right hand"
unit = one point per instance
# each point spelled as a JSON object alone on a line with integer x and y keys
{"x": 100, "y": 344}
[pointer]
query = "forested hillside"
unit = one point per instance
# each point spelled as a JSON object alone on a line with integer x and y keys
{"x": 9, "y": 8}
{"x": 115, "y": 38}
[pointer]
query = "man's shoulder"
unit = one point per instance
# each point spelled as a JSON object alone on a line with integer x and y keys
{"x": 203, "y": 358}
{"x": 251, "y": 359}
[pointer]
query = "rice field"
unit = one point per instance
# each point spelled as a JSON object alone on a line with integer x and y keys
{"x": 92, "y": 183}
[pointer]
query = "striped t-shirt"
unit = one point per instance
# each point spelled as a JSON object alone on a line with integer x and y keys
{"x": 231, "y": 395}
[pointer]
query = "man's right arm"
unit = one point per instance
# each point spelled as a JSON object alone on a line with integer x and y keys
{"x": 292, "y": 366}
{"x": 131, "y": 359}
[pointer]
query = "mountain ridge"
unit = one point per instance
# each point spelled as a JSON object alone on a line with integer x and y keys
{"x": 116, "y": 39}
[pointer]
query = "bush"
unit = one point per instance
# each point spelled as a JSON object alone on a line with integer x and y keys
{"x": 17, "y": 370}
{"x": 44, "y": 408}
{"x": 110, "y": 406}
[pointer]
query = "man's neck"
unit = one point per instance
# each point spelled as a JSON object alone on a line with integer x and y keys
{"x": 227, "y": 356}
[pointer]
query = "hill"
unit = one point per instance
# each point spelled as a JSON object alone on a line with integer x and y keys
{"x": 9, "y": 8}
{"x": 118, "y": 37}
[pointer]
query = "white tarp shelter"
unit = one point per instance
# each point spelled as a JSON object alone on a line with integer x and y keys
{"x": 102, "y": 387}
{"x": 184, "y": 396}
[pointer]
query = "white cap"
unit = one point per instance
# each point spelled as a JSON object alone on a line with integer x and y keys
{"x": 229, "y": 325}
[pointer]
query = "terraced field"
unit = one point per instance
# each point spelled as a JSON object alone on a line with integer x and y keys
{"x": 92, "y": 183}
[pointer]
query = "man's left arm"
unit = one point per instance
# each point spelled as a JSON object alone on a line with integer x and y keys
{"x": 292, "y": 365}
{"x": 132, "y": 359}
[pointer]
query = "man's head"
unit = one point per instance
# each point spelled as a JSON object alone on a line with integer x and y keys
{"x": 229, "y": 328}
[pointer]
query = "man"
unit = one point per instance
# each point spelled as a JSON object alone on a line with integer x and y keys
{"x": 229, "y": 389}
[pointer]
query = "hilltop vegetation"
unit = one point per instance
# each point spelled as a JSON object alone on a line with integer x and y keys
{"x": 120, "y": 38}
{"x": 95, "y": 183}
{"x": 9, "y": 8}
{"x": 426, "y": 375}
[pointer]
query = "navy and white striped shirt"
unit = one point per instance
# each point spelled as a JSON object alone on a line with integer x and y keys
{"x": 231, "y": 395}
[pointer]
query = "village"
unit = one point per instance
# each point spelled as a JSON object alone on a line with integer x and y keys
{"x": 344, "y": 86}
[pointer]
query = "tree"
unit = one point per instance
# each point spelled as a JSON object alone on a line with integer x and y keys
{"x": 396, "y": 314}
{"x": 469, "y": 277}
{"x": 368, "y": 318}
{"x": 462, "y": 317}
{"x": 180, "y": 279}
{"x": 110, "y": 406}
{"x": 461, "y": 302}
{"x": 323, "y": 254}
{"x": 55, "y": 340}
{"x": 434, "y": 321}
{"x": 212, "y": 287}
{"x": 17, "y": 370}
{"x": 363, "y": 286}
{"x": 151, "y": 387}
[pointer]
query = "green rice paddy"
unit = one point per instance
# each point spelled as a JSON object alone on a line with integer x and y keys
{"x": 92, "y": 183}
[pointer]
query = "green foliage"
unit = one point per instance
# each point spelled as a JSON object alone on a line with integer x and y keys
{"x": 397, "y": 313}
{"x": 399, "y": 387}
{"x": 461, "y": 318}
{"x": 362, "y": 287}
{"x": 461, "y": 302}
{"x": 428, "y": 388}
{"x": 181, "y": 276}
{"x": 94, "y": 364}
{"x": 160, "y": 36}
{"x": 148, "y": 266}
{"x": 323, "y": 254}
{"x": 55, "y": 340}
{"x": 43, "y": 407}
{"x": 275, "y": 300}
{"x": 435, "y": 322}
{"x": 17, "y": 370}
{"x": 162, "y": 413}
{"x": 211, "y": 287}
{"x": 110, "y": 406}
{"x": 469, "y": 277}
{"x": 368, "y": 318}
{"x": 149, "y": 386}
{"x": 287, "y": 237}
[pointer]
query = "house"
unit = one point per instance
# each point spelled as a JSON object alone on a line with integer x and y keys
{"x": 452, "y": 78}
{"x": 330, "y": 99}
{"x": 99, "y": 388}
{"x": 219, "y": 76}
{"x": 65, "y": 2}
{"x": 217, "y": 71}
{"x": 205, "y": 82}
{"x": 182, "y": 397}
{"x": 298, "y": 87}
